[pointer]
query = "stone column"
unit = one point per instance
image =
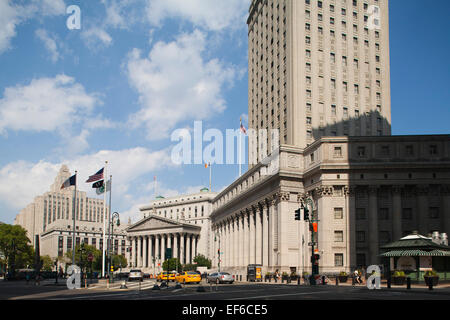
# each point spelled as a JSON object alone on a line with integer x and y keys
{"x": 252, "y": 237}
{"x": 247, "y": 238}
{"x": 239, "y": 263}
{"x": 157, "y": 247}
{"x": 182, "y": 261}
{"x": 422, "y": 209}
{"x": 234, "y": 248}
{"x": 445, "y": 213}
{"x": 265, "y": 236}
{"x": 373, "y": 226}
{"x": 175, "y": 245}
{"x": 133, "y": 252}
{"x": 188, "y": 249}
{"x": 258, "y": 235}
{"x": 397, "y": 213}
{"x": 226, "y": 258}
{"x": 139, "y": 253}
{"x": 271, "y": 210}
{"x": 163, "y": 248}
{"x": 151, "y": 254}
{"x": 169, "y": 242}
{"x": 145, "y": 243}
{"x": 351, "y": 218}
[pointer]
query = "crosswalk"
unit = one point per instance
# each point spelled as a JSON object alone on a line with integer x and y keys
{"x": 134, "y": 285}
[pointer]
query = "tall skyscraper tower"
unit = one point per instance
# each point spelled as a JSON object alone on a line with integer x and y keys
{"x": 318, "y": 68}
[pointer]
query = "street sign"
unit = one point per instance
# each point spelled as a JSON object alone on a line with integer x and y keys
{"x": 312, "y": 244}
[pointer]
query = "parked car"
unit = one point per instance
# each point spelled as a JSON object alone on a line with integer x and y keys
{"x": 164, "y": 276}
{"x": 220, "y": 277}
{"x": 188, "y": 276}
{"x": 136, "y": 274}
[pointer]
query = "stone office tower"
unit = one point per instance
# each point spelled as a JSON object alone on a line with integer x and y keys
{"x": 317, "y": 68}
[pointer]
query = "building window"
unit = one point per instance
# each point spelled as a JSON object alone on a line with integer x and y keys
{"x": 338, "y": 259}
{"x": 338, "y": 213}
{"x": 360, "y": 236}
{"x": 338, "y": 236}
{"x": 360, "y": 214}
{"x": 407, "y": 214}
{"x": 360, "y": 260}
{"x": 433, "y": 213}
{"x": 409, "y": 150}
{"x": 337, "y": 152}
{"x": 385, "y": 237}
{"x": 383, "y": 214}
{"x": 361, "y": 152}
{"x": 433, "y": 150}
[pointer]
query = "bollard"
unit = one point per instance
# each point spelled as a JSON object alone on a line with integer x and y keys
{"x": 408, "y": 283}
{"x": 353, "y": 281}
{"x": 337, "y": 281}
{"x": 323, "y": 281}
{"x": 389, "y": 283}
{"x": 430, "y": 285}
{"x": 298, "y": 280}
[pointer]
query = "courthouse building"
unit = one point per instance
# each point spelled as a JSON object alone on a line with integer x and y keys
{"x": 181, "y": 223}
{"x": 319, "y": 74}
{"x": 51, "y": 217}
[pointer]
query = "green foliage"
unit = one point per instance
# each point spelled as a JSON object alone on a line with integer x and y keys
{"x": 399, "y": 273}
{"x": 190, "y": 267}
{"x": 173, "y": 264}
{"x": 343, "y": 274}
{"x": 48, "y": 263}
{"x": 82, "y": 255}
{"x": 430, "y": 273}
{"x": 15, "y": 246}
{"x": 118, "y": 261}
{"x": 202, "y": 261}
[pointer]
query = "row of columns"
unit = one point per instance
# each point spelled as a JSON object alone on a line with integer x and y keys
{"x": 148, "y": 251}
{"x": 247, "y": 237}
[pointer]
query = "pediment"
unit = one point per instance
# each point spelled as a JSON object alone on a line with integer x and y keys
{"x": 154, "y": 223}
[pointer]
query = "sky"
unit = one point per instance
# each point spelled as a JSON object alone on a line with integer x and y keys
{"x": 137, "y": 71}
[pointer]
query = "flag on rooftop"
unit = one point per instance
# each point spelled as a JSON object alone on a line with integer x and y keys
{"x": 96, "y": 177}
{"x": 244, "y": 131}
{"x": 69, "y": 182}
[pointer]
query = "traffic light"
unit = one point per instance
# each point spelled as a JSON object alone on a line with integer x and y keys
{"x": 297, "y": 214}
{"x": 306, "y": 214}
{"x": 316, "y": 257}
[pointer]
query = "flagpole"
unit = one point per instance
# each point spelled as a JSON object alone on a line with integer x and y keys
{"x": 210, "y": 174}
{"x": 104, "y": 224}
{"x": 109, "y": 221}
{"x": 74, "y": 218}
{"x": 240, "y": 137}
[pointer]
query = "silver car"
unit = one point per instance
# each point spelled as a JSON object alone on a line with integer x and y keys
{"x": 220, "y": 277}
{"x": 136, "y": 274}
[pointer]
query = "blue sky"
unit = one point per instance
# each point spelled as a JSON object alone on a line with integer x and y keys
{"x": 139, "y": 69}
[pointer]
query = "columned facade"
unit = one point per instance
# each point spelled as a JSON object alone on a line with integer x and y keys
{"x": 151, "y": 236}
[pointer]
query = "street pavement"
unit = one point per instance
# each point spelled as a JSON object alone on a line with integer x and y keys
{"x": 234, "y": 292}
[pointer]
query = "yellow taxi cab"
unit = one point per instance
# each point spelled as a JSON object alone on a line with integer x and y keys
{"x": 188, "y": 276}
{"x": 164, "y": 276}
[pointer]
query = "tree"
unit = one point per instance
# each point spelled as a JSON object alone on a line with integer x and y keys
{"x": 81, "y": 256}
{"x": 202, "y": 261}
{"x": 118, "y": 261}
{"x": 48, "y": 263}
{"x": 174, "y": 264}
{"x": 15, "y": 247}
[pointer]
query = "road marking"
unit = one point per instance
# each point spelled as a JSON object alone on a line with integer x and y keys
{"x": 280, "y": 295}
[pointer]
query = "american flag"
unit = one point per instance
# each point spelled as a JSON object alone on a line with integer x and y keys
{"x": 244, "y": 131}
{"x": 97, "y": 176}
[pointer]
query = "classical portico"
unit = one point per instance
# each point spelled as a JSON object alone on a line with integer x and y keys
{"x": 151, "y": 236}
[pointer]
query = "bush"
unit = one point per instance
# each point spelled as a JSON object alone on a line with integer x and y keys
{"x": 430, "y": 273}
{"x": 399, "y": 273}
{"x": 343, "y": 274}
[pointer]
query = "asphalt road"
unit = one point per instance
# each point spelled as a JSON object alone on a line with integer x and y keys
{"x": 233, "y": 292}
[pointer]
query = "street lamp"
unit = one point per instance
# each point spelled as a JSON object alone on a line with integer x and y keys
{"x": 115, "y": 215}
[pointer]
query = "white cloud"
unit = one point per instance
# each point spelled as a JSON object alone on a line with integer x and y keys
{"x": 11, "y": 15}
{"x": 214, "y": 15}
{"x": 96, "y": 36}
{"x": 49, "y": 43}
{"x": 175, "y": 84}
{"x": 21, "y": 181}
{"x": 46, "y": 104}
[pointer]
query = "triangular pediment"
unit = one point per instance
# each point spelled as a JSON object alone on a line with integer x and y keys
{"x": 154, "y": 223}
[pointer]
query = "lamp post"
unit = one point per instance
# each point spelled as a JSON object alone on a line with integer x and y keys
{"x": 311, "y": 228}
{"x": 115, "y": 215}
